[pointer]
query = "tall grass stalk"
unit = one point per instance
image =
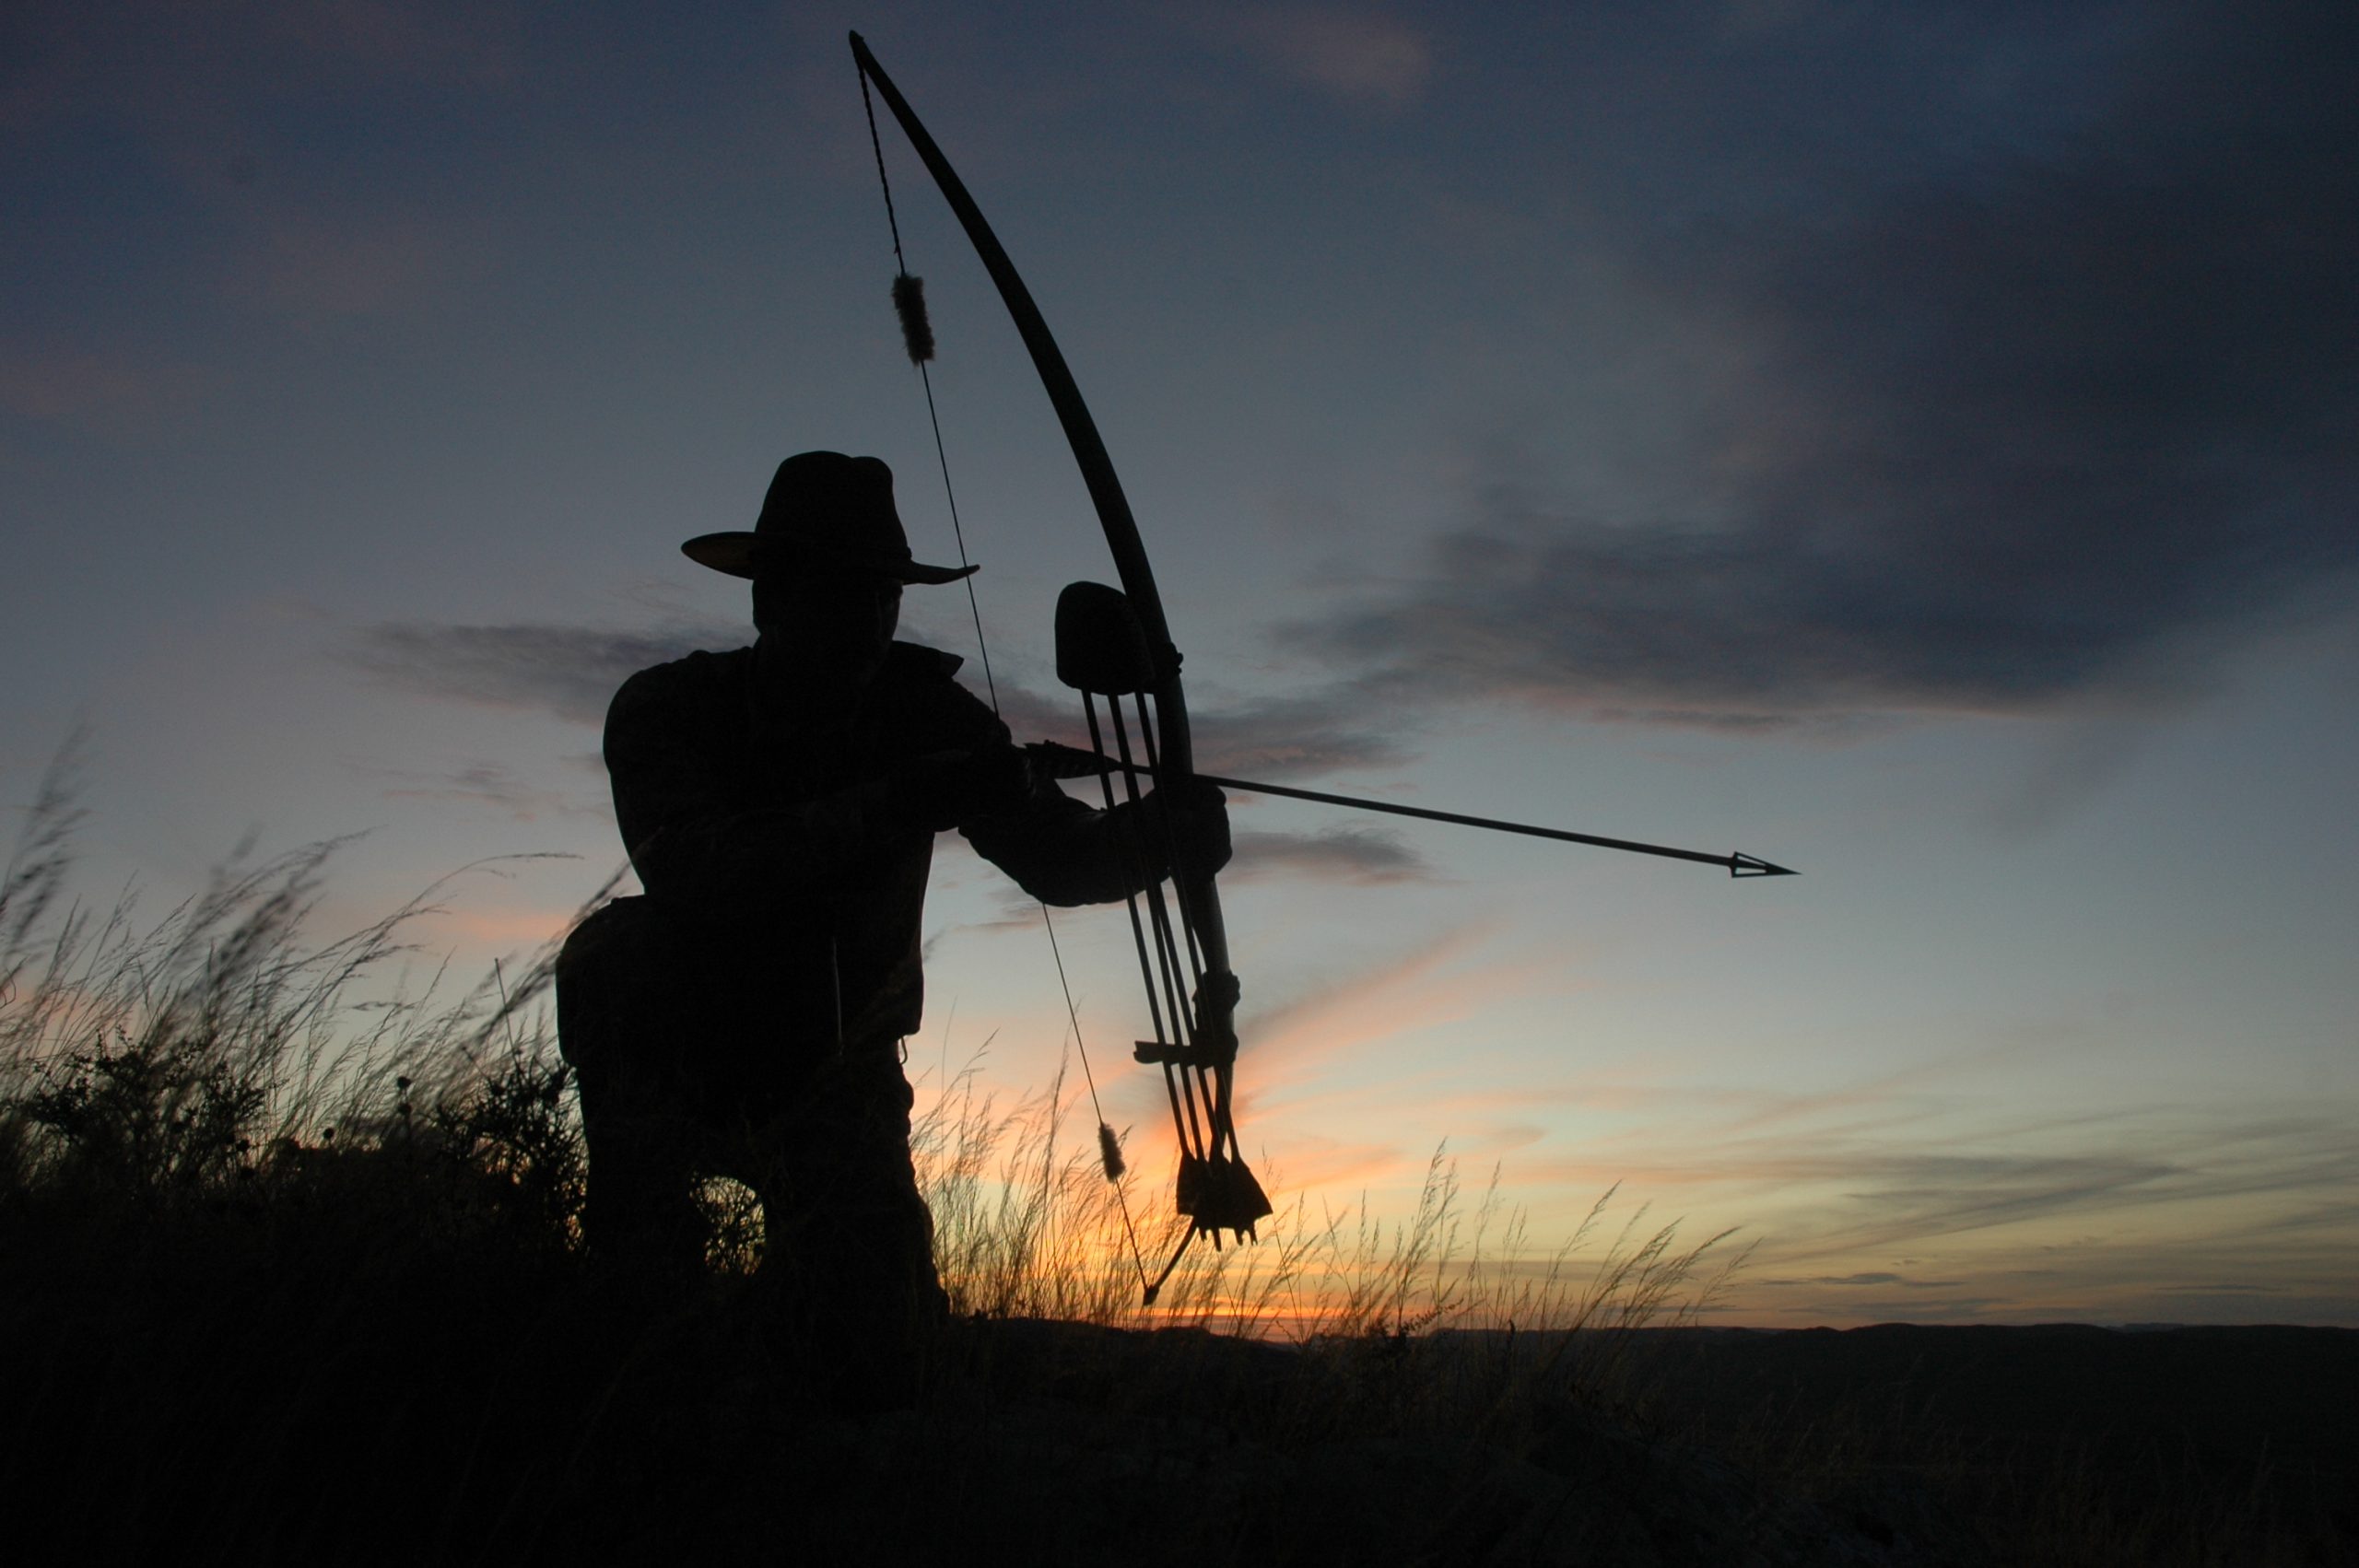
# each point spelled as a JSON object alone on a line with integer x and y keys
{"x": 1028, "y": 1225}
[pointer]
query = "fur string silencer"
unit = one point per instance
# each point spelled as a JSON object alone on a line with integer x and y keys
{"x": 909, "y": 292}
{"x": 908, "y": 303}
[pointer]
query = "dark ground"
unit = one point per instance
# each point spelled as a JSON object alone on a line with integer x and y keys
{"x": 257, "y": 1406}
{"x": 2195, "y": 1444}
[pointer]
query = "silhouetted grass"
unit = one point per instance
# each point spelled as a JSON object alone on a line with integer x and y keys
{"x": 293, "y": 1272}
{"x": 294, "y": 1268}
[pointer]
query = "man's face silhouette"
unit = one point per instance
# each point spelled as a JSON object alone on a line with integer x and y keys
{"x": 823, "y": 630}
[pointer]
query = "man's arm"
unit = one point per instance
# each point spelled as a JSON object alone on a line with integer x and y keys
{"x": 1065, "y": 853}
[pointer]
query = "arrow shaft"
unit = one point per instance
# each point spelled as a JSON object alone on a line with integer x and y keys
{"x": 1465, "y": 820}
{"x": 1736, "y": 864}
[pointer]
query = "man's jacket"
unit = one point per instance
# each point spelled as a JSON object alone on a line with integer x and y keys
{"x": 791, "y": 866}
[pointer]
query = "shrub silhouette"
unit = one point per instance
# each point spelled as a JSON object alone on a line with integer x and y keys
{"x": 149, "y": 1122}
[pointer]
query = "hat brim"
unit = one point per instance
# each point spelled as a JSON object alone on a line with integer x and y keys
{"x": 739, "y": 552}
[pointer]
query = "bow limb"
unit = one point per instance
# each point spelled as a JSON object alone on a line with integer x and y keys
{"x": 1216, "y": 1023}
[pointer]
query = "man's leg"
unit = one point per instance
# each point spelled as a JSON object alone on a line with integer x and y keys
{"x": 619, "y": 1011}
{"x": 639, "y": 1212}
{"x": 850, "y": 1241}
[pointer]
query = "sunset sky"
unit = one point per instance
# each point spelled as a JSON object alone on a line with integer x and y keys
{"x": 1917, "y": 444}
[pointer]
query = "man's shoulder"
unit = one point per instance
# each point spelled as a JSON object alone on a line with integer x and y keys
{"x": 688, "y": 682}
{"x": 915, "y": 663}
{"x": 706, "y": 690}
{"x": 702, "y": 668}
{"x": 929, "y": 704}
{"x": 911, "y": 663}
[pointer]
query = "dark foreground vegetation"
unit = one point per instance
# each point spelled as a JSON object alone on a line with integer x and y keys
{"x": 2052, "y": 1443}
{"x": 290, "y": 1273}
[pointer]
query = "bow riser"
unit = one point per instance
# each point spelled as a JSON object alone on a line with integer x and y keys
{"x": 1202, "y": 944}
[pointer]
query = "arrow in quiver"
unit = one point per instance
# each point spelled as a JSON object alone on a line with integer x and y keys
{"x": 1107, "y": 656}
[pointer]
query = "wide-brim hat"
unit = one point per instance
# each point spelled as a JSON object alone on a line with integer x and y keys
{"x": 826, "y": 511}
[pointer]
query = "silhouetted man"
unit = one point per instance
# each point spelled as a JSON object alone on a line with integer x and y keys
{"x": 779, "y": 803}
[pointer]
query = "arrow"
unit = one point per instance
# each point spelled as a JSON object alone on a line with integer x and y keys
{"x": 1072, "y": 762}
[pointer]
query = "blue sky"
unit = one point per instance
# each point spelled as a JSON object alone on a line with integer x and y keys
{"x": 1909, "y": 443}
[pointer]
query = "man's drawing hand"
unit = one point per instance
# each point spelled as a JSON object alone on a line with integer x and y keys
{"x": 1191, "y": 818}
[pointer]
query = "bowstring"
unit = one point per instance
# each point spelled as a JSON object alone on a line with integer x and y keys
{"x": 990, "y": 685}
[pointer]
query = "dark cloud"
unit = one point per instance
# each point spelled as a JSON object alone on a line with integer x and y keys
{"x": 2056, "y": 425}
{"x": 1356, "y": 855}
{"x": 572, "y": 672}
{"x": 1274, "y": 740}
{"x": 1269, "y": 739}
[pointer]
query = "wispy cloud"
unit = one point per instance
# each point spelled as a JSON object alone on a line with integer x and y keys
{"x": 191, "y": 81}
{"x": 491, "y": 785}
{"x": 1830, "y": 1192}
{"x": 317, "y": 267}
{"x": 1876, "y": 1279}
{"x": 1297, "y": 1040}
{"x": 572, "y": 672}
{"x": 2182, "y": 1213}
{"x": 1355, "y": 856}
{"x": 1337, "y": 1168}
{"x": 433, "y": 43}
{"x": 1352, "y": 52}
{"x": 1297, "y": 737}
{"x": 94, "y": 385}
